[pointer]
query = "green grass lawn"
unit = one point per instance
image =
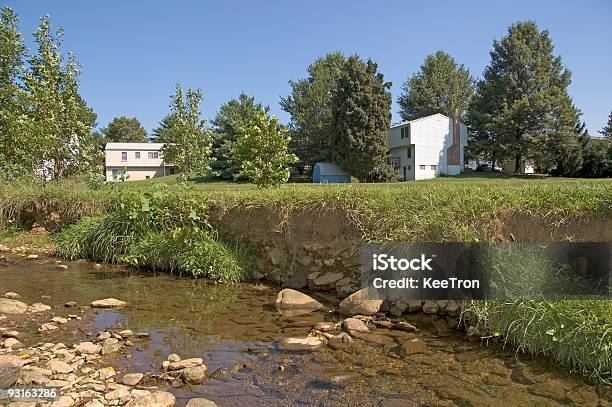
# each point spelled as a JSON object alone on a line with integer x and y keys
{"x": 465, "y": 179}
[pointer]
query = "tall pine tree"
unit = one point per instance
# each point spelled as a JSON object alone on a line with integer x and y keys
{"x": 607, "y": 130}
{"x": 522, "y": 103}
{"x": 361, "y": 116}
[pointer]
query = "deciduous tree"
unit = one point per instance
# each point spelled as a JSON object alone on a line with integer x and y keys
{"x": 262, "y": 149}
{"x": 232, "y": 116}
{"x": 440, "y": 86}
{"x": 126, "y": 130}
{"x": 188, "y": 143}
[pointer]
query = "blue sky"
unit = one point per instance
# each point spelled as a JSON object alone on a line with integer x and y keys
{"x": 134, "y": 52}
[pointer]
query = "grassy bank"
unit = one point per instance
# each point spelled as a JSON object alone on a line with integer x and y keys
{"x": 165, "y": 225}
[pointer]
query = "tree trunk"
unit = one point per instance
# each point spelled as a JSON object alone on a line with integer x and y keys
{"x": 517, "y": 164}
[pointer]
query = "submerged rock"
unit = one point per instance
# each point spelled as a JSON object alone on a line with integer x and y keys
{"x": 289, "y": 299}
{"x": 299, "y": 344}
{"x": 13, "y": 307}
{"x": 414, "y": 346}
{"x": 363, "y": 302}
{"x": 108, "y": 303}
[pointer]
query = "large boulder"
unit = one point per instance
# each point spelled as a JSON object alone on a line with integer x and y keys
{"x": 194, "y": 374}
{"x": 157, "y": 399}
{"x": 351, "y": 325}
{"x": 289, "y": 299}
{"x": 362, "y": 302}
{"x": 10, "y": 368}
{"x": 108, "y": 303}
{"x": 88, "y": 348}
{"x": 13, "y": 307}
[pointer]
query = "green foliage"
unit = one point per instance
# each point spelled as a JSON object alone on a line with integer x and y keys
{"x": 607, "y": 130}
{"x": 193, "y": 252}
{"x": 573, "y": 333}
{"x": 262, "y": 149}
{"x": 441, "y": 86}
{"x": 232, "y": 116}
{"x": 522, "y": 107}
{"x": 598, "y": 158}
{"x": 125, "y": 130}
{"x": 361, "y": 111}
{"x": 188, "y": 143}
{"x": 310, "y": 107}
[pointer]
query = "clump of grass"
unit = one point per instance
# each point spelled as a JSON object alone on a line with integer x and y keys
{"x": 575, "y": 333}
{"x": 101, "y": 238}
{"x": 195, "y": 253}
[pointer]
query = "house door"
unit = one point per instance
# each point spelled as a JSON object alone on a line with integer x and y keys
{"x": 404, "y": 168}
{"x": 117, "y": 174}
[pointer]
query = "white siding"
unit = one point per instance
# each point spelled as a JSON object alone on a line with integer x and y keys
{"x": 113, "y": 159}
{"x": 430, "y": 136}
{"x": 136, "y": 173}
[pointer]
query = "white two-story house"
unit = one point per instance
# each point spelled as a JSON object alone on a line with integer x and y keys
{"x": 427, "y": 147}
{"x": 135, "y": 161}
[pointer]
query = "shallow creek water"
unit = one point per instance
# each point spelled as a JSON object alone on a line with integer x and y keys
{"x": 233, "y": 328}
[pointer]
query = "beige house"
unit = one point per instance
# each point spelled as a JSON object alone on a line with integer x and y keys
{"x": 135, "y": 161}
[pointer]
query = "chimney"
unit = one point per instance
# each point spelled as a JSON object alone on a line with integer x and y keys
{"x": 453, "y": 152}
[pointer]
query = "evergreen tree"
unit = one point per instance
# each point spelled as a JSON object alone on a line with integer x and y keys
{"x": 441, "y": 86}
{"x": 310, "y": 107}
{"x": 232, "y": 116}
{"x": 361, "y": 116}
{"x": 188, "y": 143}
{"x": 607, "y": 130}
{"x": 161, "y": 134}
{"x": 522, "y": 103}
{"x": 126, "y": 130}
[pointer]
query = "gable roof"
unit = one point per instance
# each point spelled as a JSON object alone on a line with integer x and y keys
{"x": 419, "y": 119}
{"x": 134, "y": 146}
{"x": 330, "y": 169}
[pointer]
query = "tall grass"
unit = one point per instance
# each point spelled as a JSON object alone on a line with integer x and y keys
{"x": 575, "y": 333}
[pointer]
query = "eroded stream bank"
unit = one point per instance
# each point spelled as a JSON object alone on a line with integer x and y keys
{"x": 235, "y": 330}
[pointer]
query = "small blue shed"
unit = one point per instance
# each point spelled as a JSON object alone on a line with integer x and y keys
{"x": 328, "y": 172}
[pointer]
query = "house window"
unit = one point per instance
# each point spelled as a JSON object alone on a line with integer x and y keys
{"x": 421, "y": 167}
{"x": 124, "y": 156}
{"x": 153, "y": 155}
{"x": 410, "y": 168}
{"x": 137, "y": 155}
{"x": 405, "y": 131}
{"x": 434, "y": 167}
{"x": 409, "y": 154}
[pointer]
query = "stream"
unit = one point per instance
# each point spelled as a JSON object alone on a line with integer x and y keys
{"x": 234, "y": 329}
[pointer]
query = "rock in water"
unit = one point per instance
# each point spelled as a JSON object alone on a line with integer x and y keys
{"x": 363, "y": 302}
{"x": 132, "y": 379}
{"x": 413, "y": 346}
{"x": 88, "y": 348}
{"x": 200, "y": 402}
{"x": 110, "y": 345}
{"x": 185, "y": 363}
{"x": 38, "y": 308}
{"x": 299, "y": 344}
{"x": 157, "y": 399}
{"x": 108, "y": 303}
{"x": 354, "y": 325}
{"x": 195, "y": 374}
{"x": 289, "y": 299}
{"x": 13, "y": 307}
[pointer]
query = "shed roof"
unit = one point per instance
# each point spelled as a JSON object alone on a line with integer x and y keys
{"x": 330, "y": 169}
{"x": 134, "y": 146}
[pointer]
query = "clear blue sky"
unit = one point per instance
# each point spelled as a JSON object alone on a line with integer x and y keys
{"x": 134, "y": 52}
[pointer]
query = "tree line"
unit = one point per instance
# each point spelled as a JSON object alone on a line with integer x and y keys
{"x": 341, "y": 112}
